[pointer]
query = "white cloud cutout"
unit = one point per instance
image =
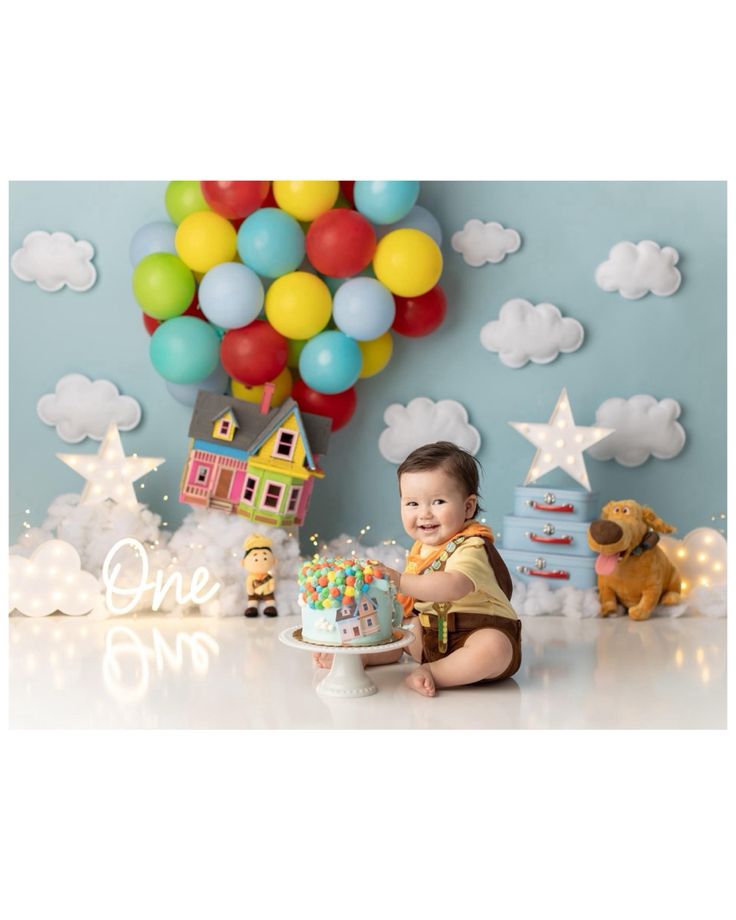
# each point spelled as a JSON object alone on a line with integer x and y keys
{"x": 635, "y": 269}
{"x": 52, "y": 579}
{"x": 485, "y": 242}
{"x": 81, "y": 408}
{"x": 644, "y": 427}
{"x": 53, "y": 260}
{"x": 524, "y": 333}
{"x": 423, "y": 421}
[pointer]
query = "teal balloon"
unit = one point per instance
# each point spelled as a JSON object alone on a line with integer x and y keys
{"x": 330, "y": 362}
{"x": 385, "y": 202}
{"x": 271, "y": 242}
{"x": 185, "y": 349}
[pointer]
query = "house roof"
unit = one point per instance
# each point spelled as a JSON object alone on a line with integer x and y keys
{"x": 253, "y": 427}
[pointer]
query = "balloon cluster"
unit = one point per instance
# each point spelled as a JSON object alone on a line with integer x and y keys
{"x": 298, "y": 283}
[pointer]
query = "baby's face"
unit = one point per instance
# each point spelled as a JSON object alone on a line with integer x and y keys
{"x": 433, "y": 506}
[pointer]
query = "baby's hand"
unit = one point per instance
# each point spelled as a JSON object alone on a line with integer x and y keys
{"x": 393, "y": 576}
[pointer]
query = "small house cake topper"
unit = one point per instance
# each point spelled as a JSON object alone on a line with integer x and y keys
{"x": 253, "y": 460}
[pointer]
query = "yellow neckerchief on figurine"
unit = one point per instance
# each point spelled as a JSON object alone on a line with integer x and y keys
{"x": 417, "y": 564}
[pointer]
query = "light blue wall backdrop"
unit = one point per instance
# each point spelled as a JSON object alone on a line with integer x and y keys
{"x": 666, "y": 346}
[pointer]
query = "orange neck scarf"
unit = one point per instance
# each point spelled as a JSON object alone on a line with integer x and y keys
{"x": 416, "y": 563}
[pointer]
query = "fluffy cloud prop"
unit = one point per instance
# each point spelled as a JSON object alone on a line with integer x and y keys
{"x": 423, "y": 421}
{"x": 524, "y": 333}
{"x": 701, "y": 559}
{"x": 53, "y": 260}
{"x": 81, "y": 408}
{"x": 643, "y": 426}
{"x": 205, "y": 538}
{"x": 635, "y": 269}
{"x": 52, "y": 579}
{"x": 480, "y": 243}
{"x": 539, "y": 599}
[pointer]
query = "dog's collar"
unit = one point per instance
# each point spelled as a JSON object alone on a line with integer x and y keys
{"x": 650, "y": 540}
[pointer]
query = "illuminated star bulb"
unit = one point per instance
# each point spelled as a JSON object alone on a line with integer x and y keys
{"x": 111, "y": 474}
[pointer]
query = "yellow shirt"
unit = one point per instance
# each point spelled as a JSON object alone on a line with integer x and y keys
{"x": 471, "y": 560}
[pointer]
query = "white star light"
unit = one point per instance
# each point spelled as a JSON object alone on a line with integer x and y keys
{"x": 560, "y": 443}
{"x": 109, "y": 473}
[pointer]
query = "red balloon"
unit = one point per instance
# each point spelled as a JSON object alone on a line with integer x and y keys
{"x": 152, "y": 324}
{"x": 269, "y": 201}
{"x": 337, "y": 406}
{"x": 421, "y": 315}
{"x": 340, "y": 243}
{"x": 254, "y": 354}
{"x": 346, "y": 187}
{"x": 234, "y": 199}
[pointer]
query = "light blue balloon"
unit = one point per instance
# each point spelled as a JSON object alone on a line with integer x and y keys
{"x": 186, "y": 393}
{"x": 185, "y": 349}
{"x": 271, "y": 242}
{"x": 418, "y": 218}
{"x": 385, "y": 202}
{"x": 330, "y": 362}
{"x": 231, "y": 295}
{"x": 155, "y": 237}
{"x": 363, "y": 308}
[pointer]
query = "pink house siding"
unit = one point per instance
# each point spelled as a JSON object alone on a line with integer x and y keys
{"x": 303, "y": 503}
{"x": 236, "y": 489}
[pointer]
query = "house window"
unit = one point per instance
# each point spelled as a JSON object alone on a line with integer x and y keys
{"x": 251, "y": 482}
{"x": 272, "y": 494}
{"x": 223, "y": 429}
{"x": 202, "y": 474}
{"x": 285, "y": 444}
{"x": 296, "y": 491}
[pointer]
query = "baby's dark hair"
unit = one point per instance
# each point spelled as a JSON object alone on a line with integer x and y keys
{"x": 458, "y": 463}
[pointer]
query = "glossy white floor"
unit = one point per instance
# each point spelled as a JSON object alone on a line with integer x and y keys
{"x": 158, "y": 672}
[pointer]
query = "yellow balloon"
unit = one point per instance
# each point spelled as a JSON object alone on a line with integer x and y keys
{"x": 298, "y": 305}
{"x": 205, "y": 239}
{"x": 305, "y": 200}
{"x": 376, "y": 354}
{"x": 282, "y": 389}
{"x": 408, "y": 262}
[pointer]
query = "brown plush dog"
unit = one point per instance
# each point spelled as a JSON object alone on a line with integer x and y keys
{"x": 631, "y": 568}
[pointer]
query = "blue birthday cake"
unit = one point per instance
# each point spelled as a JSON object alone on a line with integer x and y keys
{"x": 347, "y": 602}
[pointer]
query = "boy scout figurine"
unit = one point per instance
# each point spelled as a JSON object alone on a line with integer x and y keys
{"x": 259, "y": 562}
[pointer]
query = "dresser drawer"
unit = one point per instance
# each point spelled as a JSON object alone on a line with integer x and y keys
{"x": 546, "y": 535}
{"x": 553, "y": 568}
{"x": 560, "y": 504}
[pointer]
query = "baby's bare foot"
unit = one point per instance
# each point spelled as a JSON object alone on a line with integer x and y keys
{"x": 322, "y": 659}
{"x": 422, "y": 681}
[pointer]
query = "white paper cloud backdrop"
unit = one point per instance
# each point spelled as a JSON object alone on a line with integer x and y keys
{"x": 54, "y": 260}
{"x": 423, "y": 421}
{"x": 644, "y": 427}
{"x": 52, "y": 579}
{"x": 81, "y": 408}
{"x": 524, "y": 333}
{"x": 635, "y": 269}
{"x": 480, "y": 242}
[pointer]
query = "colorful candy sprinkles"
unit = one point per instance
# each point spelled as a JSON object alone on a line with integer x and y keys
{"x": 338, "y": 582}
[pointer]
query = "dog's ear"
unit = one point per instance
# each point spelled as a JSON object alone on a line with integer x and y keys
{"x": 655, "y": 522}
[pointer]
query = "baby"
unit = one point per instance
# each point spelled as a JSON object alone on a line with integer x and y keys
{"x": 454, "y": 580}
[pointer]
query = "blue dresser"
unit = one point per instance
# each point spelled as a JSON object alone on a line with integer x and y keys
{"x": 545, "y": 539}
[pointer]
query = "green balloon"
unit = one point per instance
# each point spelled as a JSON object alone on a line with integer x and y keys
{"x": 295, "y": 349}
{"x": 163, "y": 285}
{"x": 183, "y": 199}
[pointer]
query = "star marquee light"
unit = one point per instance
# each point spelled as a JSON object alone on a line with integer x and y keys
{"x": 110, "y": 474}
{"x": 560, "y": 443}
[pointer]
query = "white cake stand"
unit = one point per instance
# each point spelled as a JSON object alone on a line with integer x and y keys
{"x": 347, "y": 677}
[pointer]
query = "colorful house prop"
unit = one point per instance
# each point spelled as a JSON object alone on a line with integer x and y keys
{"x": 360, "y": 620}
{"x": 253, "y": 460}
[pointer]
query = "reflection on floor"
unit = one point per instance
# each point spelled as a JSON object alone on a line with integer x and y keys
{"x": 159, "y": 672}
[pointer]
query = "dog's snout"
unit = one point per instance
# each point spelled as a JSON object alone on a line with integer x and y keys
{"x": 605, "y": 532}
